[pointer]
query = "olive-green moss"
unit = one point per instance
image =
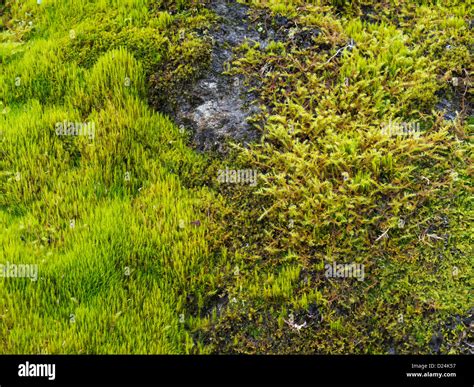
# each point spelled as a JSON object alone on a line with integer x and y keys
{"x": 335, "y": 188}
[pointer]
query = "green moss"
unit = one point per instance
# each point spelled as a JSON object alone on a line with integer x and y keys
{"x": 161, "y": 258}
{"x": 335, "y": 188}
{"x": 117, "y": 280}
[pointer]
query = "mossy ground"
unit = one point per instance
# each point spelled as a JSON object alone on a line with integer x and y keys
{"x": 162, "y": 258}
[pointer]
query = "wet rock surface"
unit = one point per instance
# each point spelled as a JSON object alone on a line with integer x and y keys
{"x": 454, "y": 101}
{"x": 217, "y": 106}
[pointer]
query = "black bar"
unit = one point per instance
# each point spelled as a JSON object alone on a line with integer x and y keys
{"x": 226, "y": 369}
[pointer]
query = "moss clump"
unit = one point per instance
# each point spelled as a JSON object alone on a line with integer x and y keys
{"x": 184, "y": 63}
{"x": 108, "y": 220}
{"x": 146, "y": 43}
{"x": 187, "y": 56}
{"x": 4, "y": 15}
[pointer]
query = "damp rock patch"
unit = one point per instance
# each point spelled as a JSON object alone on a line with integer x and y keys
{"x": 453, "y": 100}
{"x": 216, "y": 107}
